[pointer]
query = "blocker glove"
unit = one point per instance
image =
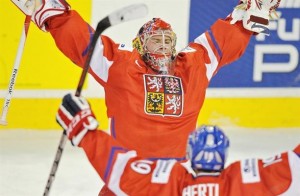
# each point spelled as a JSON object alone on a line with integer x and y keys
{"x": 41, "y": 10}
{"x": 76, "y": 118}
{"x": 255, "y": 14}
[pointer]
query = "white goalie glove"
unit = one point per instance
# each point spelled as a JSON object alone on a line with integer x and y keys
{"x": 255, "y": 14}
{"x": 41, "y": 10}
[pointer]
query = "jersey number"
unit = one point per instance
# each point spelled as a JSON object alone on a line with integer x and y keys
{"x": 142, "y": 166}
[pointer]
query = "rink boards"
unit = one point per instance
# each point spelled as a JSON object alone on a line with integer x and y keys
{"x": 240, "y": 112}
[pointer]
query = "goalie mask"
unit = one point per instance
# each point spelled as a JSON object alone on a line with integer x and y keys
{"x": 156, "y": 42}
{"x": 207, "y": 149}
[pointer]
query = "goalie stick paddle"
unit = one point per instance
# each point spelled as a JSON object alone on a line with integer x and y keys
{"x": 15, "y": 70}
{"x": 128, "y": 13}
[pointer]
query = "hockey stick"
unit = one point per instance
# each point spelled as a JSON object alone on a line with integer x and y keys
{"x": 15, "y": 70}
{"x": 124, "y": 14}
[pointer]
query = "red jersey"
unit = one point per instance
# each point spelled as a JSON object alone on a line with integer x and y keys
{"x": 126, "y": 174}
{"x": 150, "y": 113}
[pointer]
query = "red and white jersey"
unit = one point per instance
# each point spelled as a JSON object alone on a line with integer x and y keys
{"x": 150, "y": 113}
{"x": 126, "y": 174}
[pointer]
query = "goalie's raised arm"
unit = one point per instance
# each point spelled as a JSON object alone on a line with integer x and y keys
{"x": 77, "y": 119}
{"x": 228, "y": 38}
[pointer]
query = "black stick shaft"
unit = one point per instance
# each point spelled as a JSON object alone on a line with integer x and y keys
{"x": 122, "y": 15}
{"x": 102, "y": 25}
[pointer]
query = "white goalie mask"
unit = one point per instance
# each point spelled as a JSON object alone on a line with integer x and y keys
{"x": 156, "y": 43}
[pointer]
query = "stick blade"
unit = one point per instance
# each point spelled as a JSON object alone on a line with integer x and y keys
{"x": 128, "y": 13}
{"x": 27, "y": 7}
{"x": 3, "y": 122}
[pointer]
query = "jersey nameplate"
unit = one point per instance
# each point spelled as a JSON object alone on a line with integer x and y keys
{"x": 163, "y": 95}
{"x": 203, "y": 189}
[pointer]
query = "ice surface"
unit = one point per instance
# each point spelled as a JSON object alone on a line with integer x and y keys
{"x": 26, "y": 157}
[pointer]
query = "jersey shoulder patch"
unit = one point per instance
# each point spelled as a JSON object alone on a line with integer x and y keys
{"x": 250, "y": 171}
{"x": 162, "y": 171}
{"x": 125, "y": 47}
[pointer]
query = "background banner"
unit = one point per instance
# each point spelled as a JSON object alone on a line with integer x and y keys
{"x": 269, "y": 61}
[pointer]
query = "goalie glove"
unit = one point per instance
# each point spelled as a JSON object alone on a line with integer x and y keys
{"x": 41, "y": 10}
{"x": 255, "y": 14}
{"x": 76, "y": 118}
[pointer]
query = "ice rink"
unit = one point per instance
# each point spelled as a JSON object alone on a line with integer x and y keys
{"x": 26, "y": 158}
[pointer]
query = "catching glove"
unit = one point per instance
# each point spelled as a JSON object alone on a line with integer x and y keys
{"x": 42, "y": 10}
{"x": 76, "y": 118}
{"x": 255, "y": 14}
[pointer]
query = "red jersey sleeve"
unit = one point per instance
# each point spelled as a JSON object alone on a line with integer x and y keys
{"x": 125, "y": 173}
{"x": 232, "y": 40}
{"x": 101, "y": 150}
{"x": 73, "y": 35}
{"x": 145, "y": 177}
{"x": 297, "y": 150}
{"x": 277, "y": 175}
{"x": 281, "y": 173}
{"x": 223, "y": 43}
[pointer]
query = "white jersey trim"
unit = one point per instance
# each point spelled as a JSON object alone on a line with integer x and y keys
{"x": 294, "y": 163}
{"x": 188, "y": 166}
{"x": 213, "y": 65}
{"x": 99, "y": 63}
{"x": 117, "y": 171}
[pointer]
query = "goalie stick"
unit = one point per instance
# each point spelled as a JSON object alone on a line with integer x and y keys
{"x": 16, "y": 66}
{"x": 124, "y": 14}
